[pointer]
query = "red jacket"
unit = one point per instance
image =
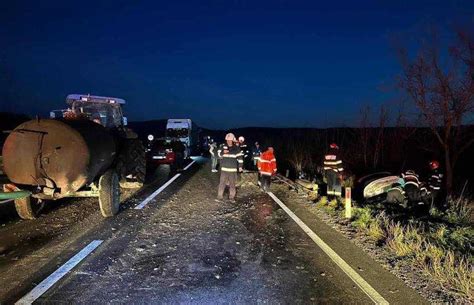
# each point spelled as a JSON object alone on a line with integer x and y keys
{"x": 267, "y": 163}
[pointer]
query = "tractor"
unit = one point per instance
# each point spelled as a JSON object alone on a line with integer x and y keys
{"x": 85, "y": 150}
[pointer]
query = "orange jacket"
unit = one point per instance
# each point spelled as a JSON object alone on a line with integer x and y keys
{"x": 267, "y": 163}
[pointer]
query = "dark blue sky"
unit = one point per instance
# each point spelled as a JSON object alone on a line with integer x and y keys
{"x": 222, "y": 63}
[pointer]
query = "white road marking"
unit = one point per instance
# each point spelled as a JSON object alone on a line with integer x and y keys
{"x": 161, "y": 189}
{"x": 353, "y": 275}
{"x": 189, "y": 165}
{"x": 47, "y": 283}
{"x": 155, "y": 193}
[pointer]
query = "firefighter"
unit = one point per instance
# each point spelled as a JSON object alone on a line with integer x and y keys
{"x": 256, "y": 152}
{"x": 412, "y": 186}
{"x": 267, "y": 167}
{"x": 333, "y": 169}
{"x": 433, "y": 186}
{"x": 213, "y": 152}
{"x": 247, "y": 155}
{"x": 230, "y": 164}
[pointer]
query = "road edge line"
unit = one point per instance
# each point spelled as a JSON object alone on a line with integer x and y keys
{"x": 58, "y": 274}
{"x": 348, "y": 270}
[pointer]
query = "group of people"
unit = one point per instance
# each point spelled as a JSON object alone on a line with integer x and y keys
{"x": 233, "y": 157}
{"x": 410, "y": 189}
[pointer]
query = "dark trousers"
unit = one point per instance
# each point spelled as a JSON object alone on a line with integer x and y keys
{"x": 265, "y": 181}
{"x": 179, "y": 160}
{"x": 227, "y": 178}
{"x": 334, "y": 184}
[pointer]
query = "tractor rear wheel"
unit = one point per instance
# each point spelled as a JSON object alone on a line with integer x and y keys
{"x": 109, "y": 193}
{"x": 28, "y": 208}
{"x": 132, "y": 164}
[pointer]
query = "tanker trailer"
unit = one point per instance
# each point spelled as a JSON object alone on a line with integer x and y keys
{"x": 86, "y": 152}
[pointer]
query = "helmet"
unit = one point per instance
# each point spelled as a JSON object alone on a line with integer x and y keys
{"x": 434, "y": 164}
{"x": 230, "y": 137}
{"x": 334, "y": 146}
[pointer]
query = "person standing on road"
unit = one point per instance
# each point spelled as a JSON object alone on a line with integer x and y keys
{"x": 333, "y": 170}
{"x": 256, "y": 152}
{"x": 230, "y": 164}
{"x": 247, "y": 155}
{"x": 178, "y": 148}
{"x": 267, "y": 167}
{"x": 213, "y": 152}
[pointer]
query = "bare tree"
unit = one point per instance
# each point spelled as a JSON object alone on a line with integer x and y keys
{"x": 441, "y": 85}
{"x": 379, "y": 143}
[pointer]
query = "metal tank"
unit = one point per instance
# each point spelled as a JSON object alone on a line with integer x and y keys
{"x": 56, "y": 157}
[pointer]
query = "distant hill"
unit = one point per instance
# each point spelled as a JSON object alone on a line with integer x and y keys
{"x": 143, "y": 128}
{"x": 9, "y": 121}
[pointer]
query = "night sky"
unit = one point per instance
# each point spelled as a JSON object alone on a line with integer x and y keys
{"x": 222, "y": 63}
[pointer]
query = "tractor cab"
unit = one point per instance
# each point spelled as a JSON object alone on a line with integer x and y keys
{"x": 106, "y": 111}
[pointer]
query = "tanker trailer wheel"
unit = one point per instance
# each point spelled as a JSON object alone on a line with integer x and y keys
{"x": 28, "y": 208}
{"x": 109, "y": 193}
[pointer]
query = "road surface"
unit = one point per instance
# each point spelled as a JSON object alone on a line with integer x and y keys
{"x": 184, "y": 247}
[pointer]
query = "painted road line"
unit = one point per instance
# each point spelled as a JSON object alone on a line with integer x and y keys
{"x": 189, "y": 165}
{"x": 47, "y": 283}
{"x": 353, "y": 275}
{"x": 155, "y": 193}
{"x": 161, "y": 189}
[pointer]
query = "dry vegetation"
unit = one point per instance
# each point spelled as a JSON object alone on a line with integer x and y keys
{"x": 443, "y": 250}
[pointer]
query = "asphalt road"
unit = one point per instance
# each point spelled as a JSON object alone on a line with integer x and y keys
{"x": 184, "y": 247}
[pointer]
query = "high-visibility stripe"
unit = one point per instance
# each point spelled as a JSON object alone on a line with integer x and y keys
{"x": 332, "y": 162}
{"x": 266, "y": 173}
{"x": 229, "y": 156}
{"x": 228, "y": 170}
{"x": 330, "y": 157}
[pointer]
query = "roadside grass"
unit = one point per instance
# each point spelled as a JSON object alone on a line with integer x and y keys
{"x": 443, "y": 251}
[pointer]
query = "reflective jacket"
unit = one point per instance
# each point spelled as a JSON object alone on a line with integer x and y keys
{"x": 411, "y": 178}
{"x": 435, "y": 181}
{"x": 267, "y": 164}
{"x": 232, "y": 160}
{"x": 256, "y": 152}
{"x": 245, "y": 151}
{"x": 332, "y": 162}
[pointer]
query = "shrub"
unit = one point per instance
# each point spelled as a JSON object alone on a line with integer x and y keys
{"x": 461, "y": 238}
{"x": 362, "y": 218}
{"x": 459, "y": 210}
{"x": 404, "y": 241}
{"x": 375, "y": 230}
{"x": 323, "y": 200}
